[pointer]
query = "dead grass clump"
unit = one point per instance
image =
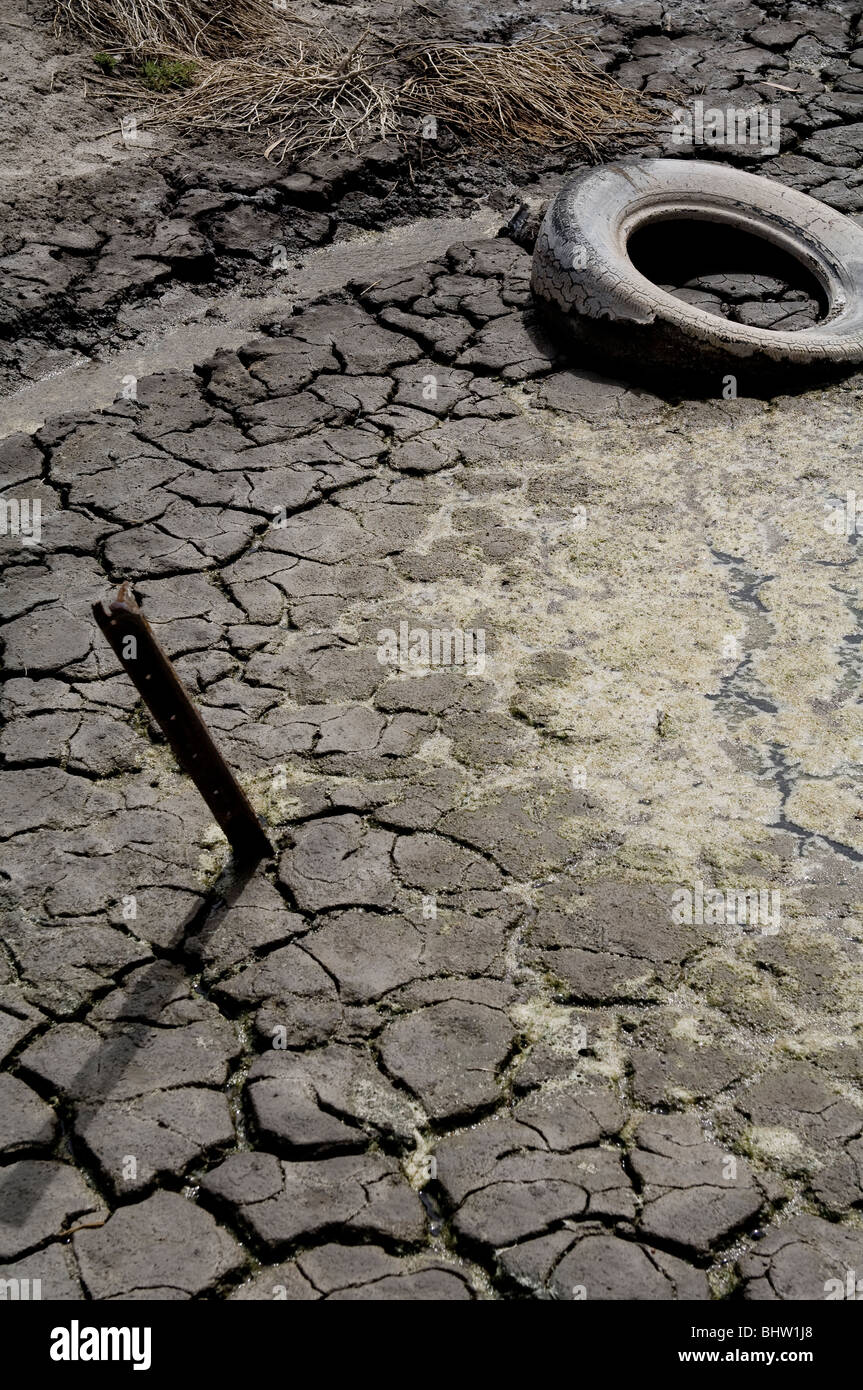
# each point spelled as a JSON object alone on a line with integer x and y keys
{"x": 139, "y": 27}
{"x": 541, "y": 91}
{"x": 247, "y": 66}
{"x": 318, "y": 95}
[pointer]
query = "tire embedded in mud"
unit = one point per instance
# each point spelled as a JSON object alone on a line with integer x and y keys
{"x": 583, "y": 270}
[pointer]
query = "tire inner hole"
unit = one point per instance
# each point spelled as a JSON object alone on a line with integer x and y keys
{"x": 728, "y": 272}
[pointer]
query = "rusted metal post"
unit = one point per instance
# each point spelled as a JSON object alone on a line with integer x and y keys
{"x": 157, "y": 682}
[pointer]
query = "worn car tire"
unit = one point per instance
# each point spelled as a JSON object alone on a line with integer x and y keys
{"x": 582, "y": 270}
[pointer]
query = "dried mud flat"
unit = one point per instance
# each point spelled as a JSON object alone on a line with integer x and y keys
{"x": 454, "y": 1042}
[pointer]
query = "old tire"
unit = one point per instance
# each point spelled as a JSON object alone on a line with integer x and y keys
{"x": 582, "y": 272}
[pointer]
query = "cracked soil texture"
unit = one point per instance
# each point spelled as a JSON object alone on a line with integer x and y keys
{"x": 456, "y": 1040}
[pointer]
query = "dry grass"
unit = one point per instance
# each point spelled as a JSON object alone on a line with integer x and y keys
{"x": 255, "y": 68}
{"x": 541, "y": 91}
{"x": 154, "y": 28}
{"x": 319, "y": 95}
{"x": 144, "y": 27}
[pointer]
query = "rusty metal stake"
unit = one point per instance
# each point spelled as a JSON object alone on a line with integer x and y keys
{"x": 150, "y": 670}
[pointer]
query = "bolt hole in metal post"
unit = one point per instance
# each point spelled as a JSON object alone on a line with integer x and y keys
{"x": 152, "y": 674}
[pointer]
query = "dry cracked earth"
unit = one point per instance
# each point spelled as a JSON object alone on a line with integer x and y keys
{"x": 453, "y": 1041}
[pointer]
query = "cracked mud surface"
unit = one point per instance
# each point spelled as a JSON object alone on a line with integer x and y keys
{"x": 453, "y": 1042}
{"x": 157, "y": 230}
